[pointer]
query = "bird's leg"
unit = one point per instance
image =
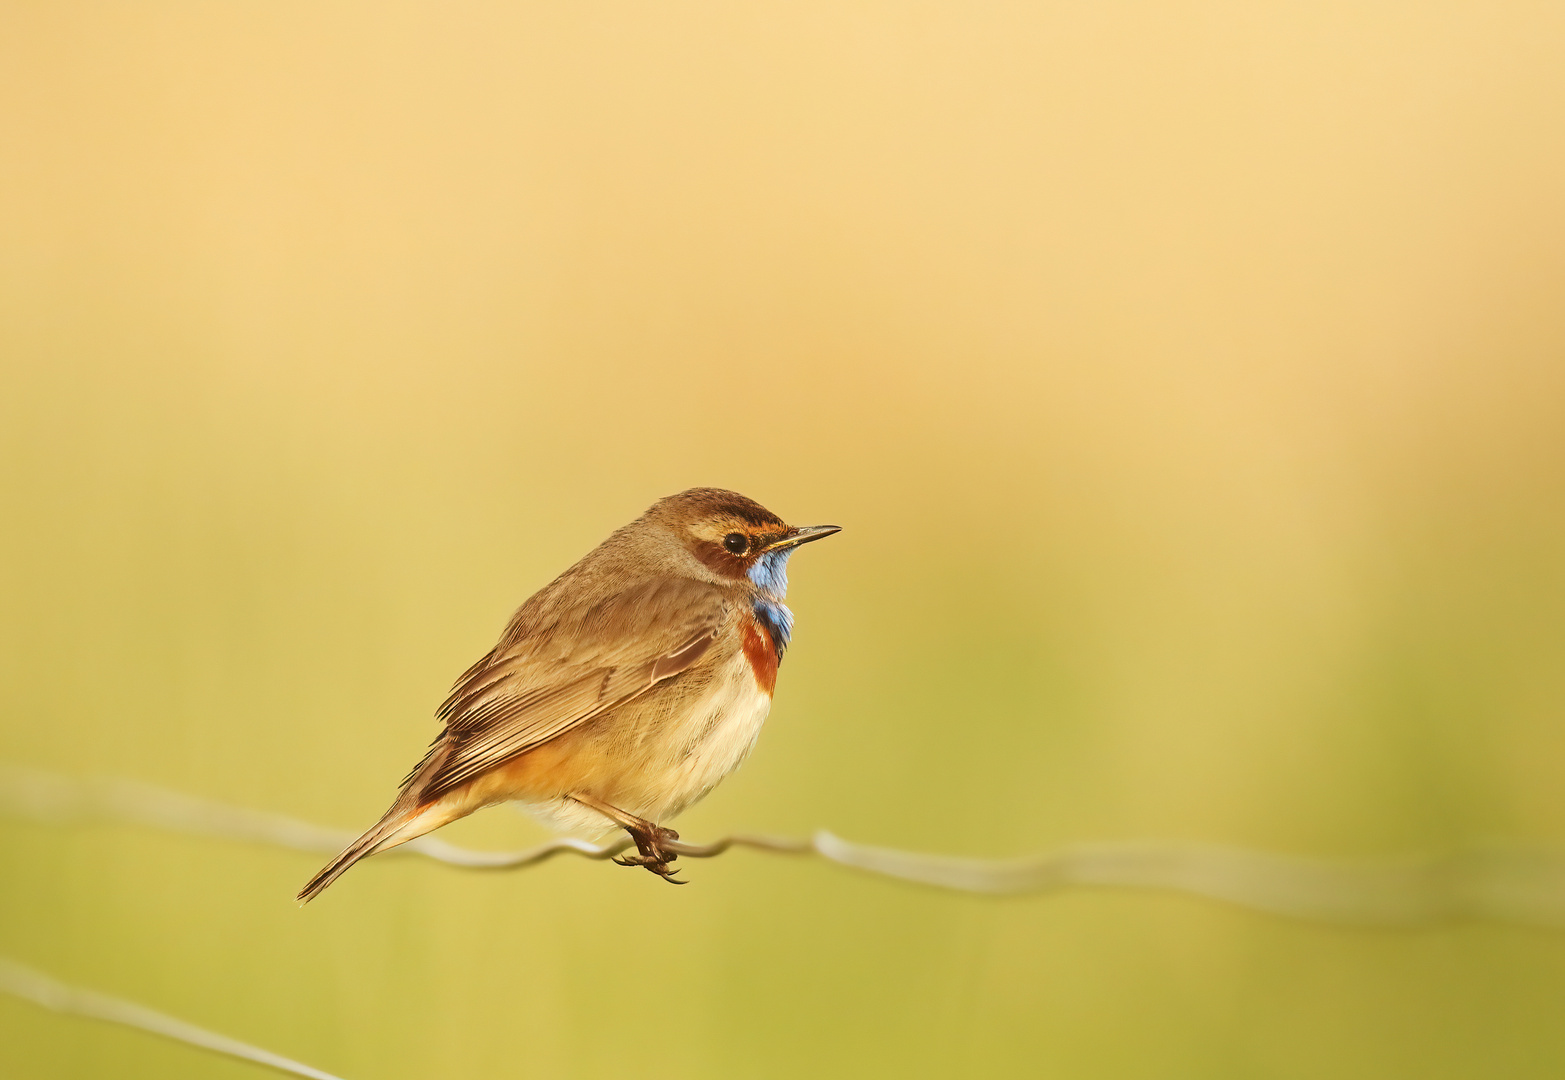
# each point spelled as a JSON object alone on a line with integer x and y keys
{"x": 649, "y": 838}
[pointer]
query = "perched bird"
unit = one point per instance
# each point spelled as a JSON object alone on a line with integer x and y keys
{"x": 621, "y": 692}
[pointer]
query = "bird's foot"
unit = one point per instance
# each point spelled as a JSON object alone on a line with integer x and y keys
{"x": 652, "y": 856}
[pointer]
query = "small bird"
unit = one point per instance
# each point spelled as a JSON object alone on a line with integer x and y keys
{"x": 622, "y": 691}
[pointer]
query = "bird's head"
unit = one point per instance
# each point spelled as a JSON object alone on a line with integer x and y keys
{"x": 735, "y": 537}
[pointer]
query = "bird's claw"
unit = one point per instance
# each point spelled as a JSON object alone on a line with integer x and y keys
{"x": 651, "y": 855}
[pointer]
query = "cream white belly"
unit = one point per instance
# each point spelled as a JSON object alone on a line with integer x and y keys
{"x": 676, "y": 762}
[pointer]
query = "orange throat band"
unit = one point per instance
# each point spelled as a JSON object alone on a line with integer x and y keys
{"x": 762, "y": 654}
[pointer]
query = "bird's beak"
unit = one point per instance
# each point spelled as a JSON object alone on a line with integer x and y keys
{"x": 803, "y": 535}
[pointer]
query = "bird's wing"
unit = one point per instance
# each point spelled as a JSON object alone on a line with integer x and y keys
{"x": 567, "y": 670}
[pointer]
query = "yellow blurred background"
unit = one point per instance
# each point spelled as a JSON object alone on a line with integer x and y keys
{"x": 1189, "y": 381}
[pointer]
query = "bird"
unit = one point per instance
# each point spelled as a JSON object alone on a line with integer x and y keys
{"x": 620, "y": 693}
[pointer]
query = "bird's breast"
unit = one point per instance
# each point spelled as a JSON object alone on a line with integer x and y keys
{"x": 760, "y": 649}
{"x": 711, "y": 740}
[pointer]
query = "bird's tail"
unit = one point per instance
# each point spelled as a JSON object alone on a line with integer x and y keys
{"x": 377, "y": 838}
{"x": 408, "y": 819}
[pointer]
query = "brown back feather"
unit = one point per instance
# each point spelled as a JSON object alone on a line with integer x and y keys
{"x": 554, "y": 673}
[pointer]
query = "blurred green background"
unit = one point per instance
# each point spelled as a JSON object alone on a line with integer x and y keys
{"x": 1190, "y": 381}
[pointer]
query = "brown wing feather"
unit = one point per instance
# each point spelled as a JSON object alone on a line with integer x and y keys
{"x": 550, "y": 675}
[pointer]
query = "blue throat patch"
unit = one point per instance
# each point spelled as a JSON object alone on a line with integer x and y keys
{"x": 769, "y": 575}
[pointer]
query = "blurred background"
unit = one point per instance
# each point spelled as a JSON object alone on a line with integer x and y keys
{"x": 1189, "y": 380}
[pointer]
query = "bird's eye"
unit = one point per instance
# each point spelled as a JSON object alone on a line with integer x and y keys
{"x": 736, "y": 543}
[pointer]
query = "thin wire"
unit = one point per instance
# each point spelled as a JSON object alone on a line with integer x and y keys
{"x": 1503, "y": 883}
{"x": 38, "y": 988}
